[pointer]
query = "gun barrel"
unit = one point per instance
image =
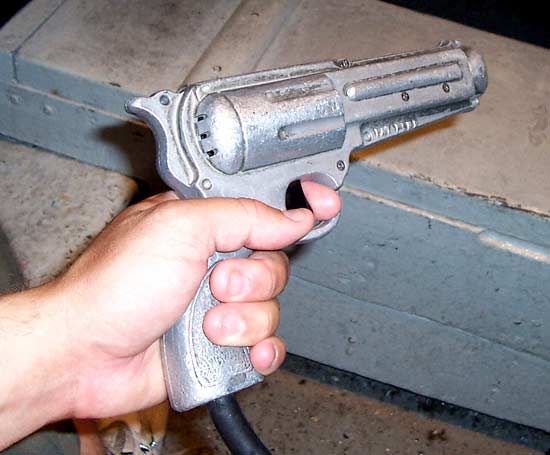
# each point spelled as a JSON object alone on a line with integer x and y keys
{"x": 411, "y": 85}
{"x": 405, "y": 80}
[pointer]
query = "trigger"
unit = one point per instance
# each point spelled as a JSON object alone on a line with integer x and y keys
{"x": 320, "y": 230}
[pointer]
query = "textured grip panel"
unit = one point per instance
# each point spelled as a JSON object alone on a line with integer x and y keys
{"x": 211, "y": 362}
{"x": 196, "y": 370}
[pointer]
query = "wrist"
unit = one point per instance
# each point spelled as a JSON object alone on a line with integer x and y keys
{"x": 40, "y": 383}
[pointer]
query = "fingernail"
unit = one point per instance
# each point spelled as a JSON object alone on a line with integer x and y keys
{"x": 297, "y": 215}
{"x": 237, "y": 284}
{"x": 233, "y": 325}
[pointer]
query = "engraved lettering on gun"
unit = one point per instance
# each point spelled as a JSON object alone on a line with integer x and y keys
{"x": 380, "y": 132}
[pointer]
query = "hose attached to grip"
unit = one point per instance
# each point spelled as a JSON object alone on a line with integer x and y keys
{"x": 233, "y": 427}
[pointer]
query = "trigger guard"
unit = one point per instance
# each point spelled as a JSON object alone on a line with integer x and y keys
{"x": 320, "y": 230}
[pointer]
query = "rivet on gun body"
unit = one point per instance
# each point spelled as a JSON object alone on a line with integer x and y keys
{"x": 344, "y": 63}
{"x": 405, "y": 96}
{"x": 340, "y": 165}
{"x": 446, "y": 88}
{"x": 206, "y": 184}
{"x": 164, "y": 100}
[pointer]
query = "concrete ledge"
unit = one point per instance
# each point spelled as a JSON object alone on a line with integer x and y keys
{"x": 415, "y": 353}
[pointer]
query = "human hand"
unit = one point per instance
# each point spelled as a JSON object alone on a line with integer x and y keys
{"x": 138, "y": 276}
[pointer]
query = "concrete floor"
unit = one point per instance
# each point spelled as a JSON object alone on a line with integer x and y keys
{"x": 295, "y": 414}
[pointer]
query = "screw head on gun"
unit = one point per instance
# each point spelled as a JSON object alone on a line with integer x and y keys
{"x": 255, "y": 134}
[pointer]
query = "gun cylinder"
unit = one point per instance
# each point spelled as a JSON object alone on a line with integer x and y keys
{"x": 253, "y": 127}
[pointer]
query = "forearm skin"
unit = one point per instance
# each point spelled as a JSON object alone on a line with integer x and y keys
{"x": 37, "y": 381}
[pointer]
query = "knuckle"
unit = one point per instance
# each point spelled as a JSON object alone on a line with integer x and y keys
{"x": 271, "y": 278}
{"x": 285, "y": 262}
{"x": 280, "y": 275}
{"x": 273, "y": 316}
{"x": 170, "y": 214}
{"x": 268, "y": 325}
{"x": 272, "y": 267}
{"x": 265, "y": 322}
{"x": 161, "y": 212}
{"x": 251, "y": 207}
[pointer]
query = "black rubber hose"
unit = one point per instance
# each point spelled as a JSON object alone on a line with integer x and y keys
{"x": 233, "y": 427}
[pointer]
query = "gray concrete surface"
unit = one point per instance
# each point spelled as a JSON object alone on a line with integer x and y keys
{"x": 51, "y": 207}
{"x": 297, "y": 415}
{"x": 129, "y": 46}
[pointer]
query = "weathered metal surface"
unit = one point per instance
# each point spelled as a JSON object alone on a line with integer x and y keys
{"x": 227, "y": 136}
{"x": 197, "y": 371}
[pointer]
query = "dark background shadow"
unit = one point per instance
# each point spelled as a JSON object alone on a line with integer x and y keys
{"x": 524, "y": 21}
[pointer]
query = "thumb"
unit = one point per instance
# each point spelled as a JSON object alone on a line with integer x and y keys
{"x": 229, "y": 224}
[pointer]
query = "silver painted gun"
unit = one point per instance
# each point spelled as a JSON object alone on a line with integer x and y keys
{"x": 254, "y": 135}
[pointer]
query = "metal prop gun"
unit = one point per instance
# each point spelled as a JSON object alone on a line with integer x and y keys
{"x": 255, "y": 134}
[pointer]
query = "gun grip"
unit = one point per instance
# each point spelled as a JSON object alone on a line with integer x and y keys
{"x": 197, "y": 371}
